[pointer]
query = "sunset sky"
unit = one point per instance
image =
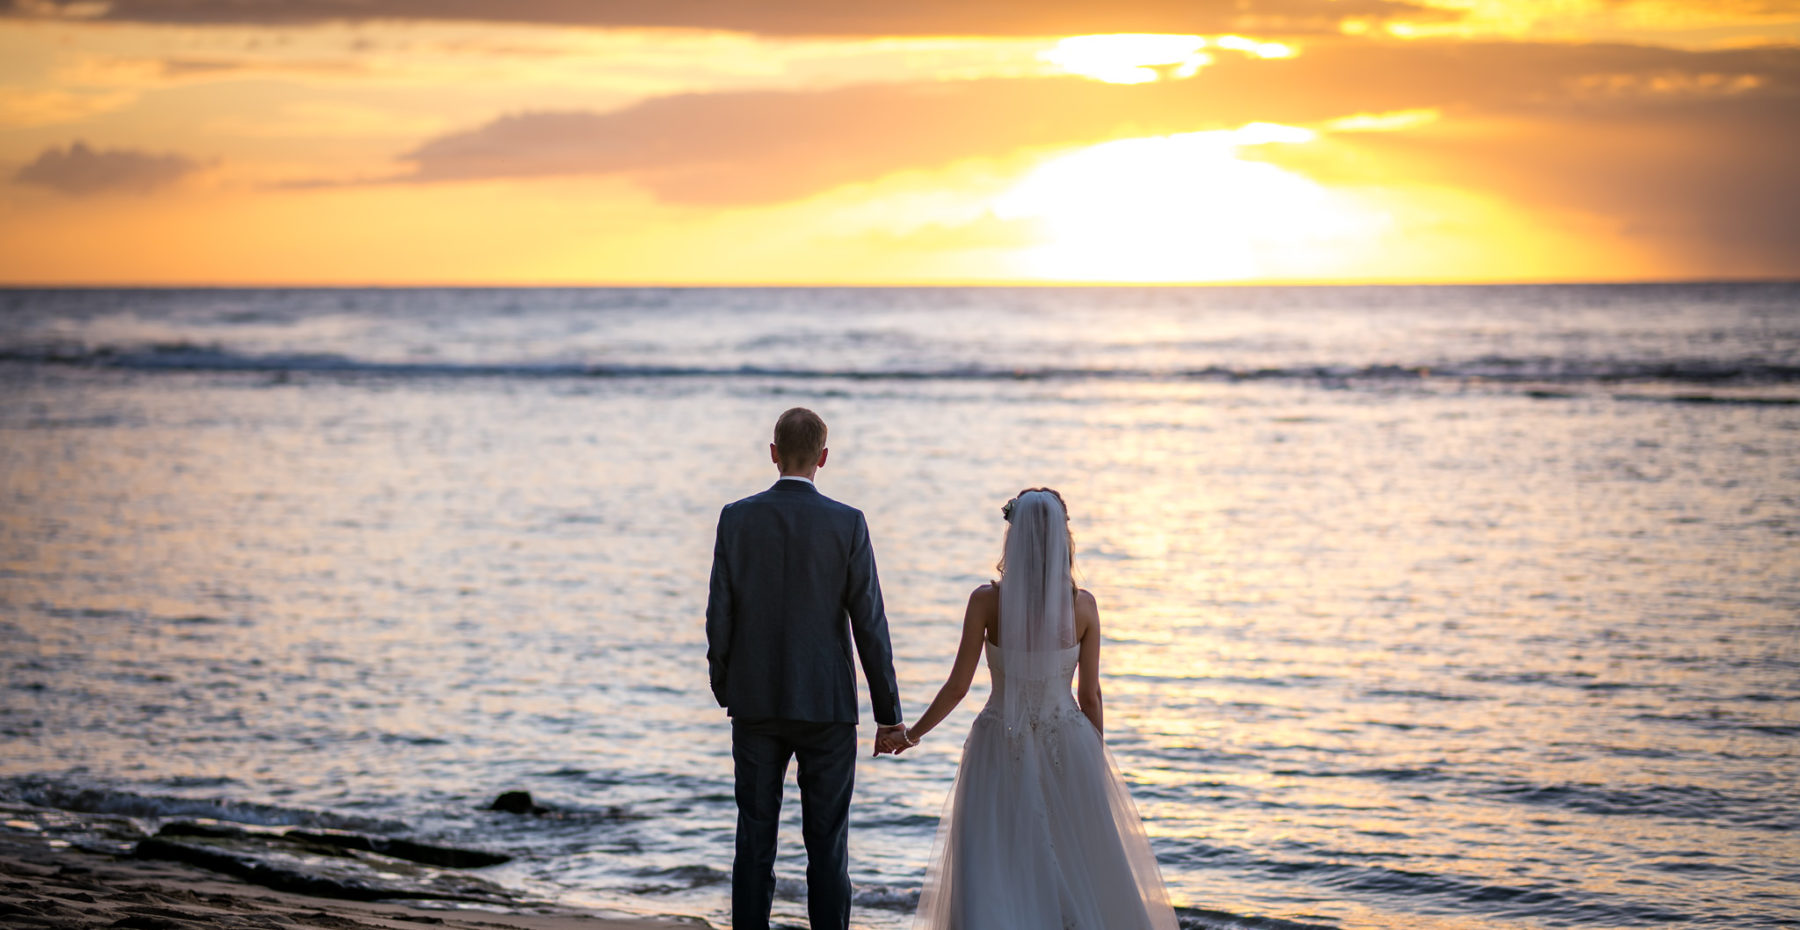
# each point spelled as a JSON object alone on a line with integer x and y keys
{"x": 935, "y": 141}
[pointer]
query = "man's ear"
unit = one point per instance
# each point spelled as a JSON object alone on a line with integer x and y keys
{"x": 822, "y": 454}
{"x": 773, "y": 455}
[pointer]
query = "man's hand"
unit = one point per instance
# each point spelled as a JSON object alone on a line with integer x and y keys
{"x": 891, "y": 739}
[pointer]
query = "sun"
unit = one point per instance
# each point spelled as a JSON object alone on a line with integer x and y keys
{"x": 1183, "y": 207}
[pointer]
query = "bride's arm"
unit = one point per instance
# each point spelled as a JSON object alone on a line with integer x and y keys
{"x": 980, "y": 612}
{"x": 1087, "y": 681}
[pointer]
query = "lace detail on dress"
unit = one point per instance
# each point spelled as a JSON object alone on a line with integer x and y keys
{"x": 1049, "y": 708}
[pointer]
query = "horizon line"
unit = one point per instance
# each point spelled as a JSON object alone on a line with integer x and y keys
{"x": 884, "y": 285}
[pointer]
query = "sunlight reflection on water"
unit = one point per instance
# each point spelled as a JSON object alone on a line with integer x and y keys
{"x": 1439, "y": 656}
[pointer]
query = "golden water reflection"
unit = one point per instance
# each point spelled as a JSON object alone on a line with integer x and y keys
{"x": 1351, "y": 634}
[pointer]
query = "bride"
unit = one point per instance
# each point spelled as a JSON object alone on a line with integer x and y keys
{"x": 1040, "y": 832}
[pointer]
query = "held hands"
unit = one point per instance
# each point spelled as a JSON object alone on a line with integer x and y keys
{"x": 893, "y": 740}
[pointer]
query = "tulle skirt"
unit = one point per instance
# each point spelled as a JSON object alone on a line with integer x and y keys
{"x": 1040, "y": 833}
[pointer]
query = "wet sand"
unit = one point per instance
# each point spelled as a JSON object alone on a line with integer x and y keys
{"x": 68, "y": 888}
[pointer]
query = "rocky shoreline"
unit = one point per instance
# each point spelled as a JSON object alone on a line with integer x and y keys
{"x": 204, "y": 874}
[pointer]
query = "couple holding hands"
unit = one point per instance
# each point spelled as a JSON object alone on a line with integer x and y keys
{"x": 1039, "y": 832}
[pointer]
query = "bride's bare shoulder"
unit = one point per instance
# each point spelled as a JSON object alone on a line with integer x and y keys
{"x": 1085, "y": 603}
{"x": 984, "y": 609}
{"x": 985, "y": 600}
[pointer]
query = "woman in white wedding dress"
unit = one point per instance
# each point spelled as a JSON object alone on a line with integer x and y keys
{"x": 1039, "y": 832}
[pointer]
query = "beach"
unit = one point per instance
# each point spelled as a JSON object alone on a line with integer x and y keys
{"x": 67, "y": 888}
{"x": 1447, "y": 608}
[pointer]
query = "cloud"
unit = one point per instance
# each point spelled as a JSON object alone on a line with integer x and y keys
{"x": 1689, "y": 152}
{"x": 790, "y": 18}
{"x": 766, "y": 146}
{"x": 1707, "y": 186}
{"x": 79, "y": 171}
{"x": 749, "y": 147}
{"x": 1683, "y": 155}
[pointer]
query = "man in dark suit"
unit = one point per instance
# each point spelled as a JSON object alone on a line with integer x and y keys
{"x": 793, "y": 584}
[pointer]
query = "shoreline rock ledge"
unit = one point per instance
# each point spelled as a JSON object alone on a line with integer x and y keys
{"x": 329, "y": 863}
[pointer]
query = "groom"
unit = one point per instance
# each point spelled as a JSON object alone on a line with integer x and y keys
{"x": 790, "y": 567}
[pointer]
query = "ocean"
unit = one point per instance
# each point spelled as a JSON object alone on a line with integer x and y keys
{"x": 1427, "y": 607}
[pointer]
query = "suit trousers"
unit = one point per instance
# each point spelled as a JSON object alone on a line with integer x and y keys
{"x": 760, "y": 750}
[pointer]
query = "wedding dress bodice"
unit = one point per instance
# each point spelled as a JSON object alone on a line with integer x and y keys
{"x": 1049, "y": 709}
{"x": 1049, "y": 697}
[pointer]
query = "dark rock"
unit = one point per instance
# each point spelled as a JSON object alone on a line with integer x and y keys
{"x": 332, "y": 922}
{"x": 446, "y": 856}
{"x": 253, "y": 871}
{"x": 151, "y": 922}
{"x": 516, "y": 802}
{"x": 173, "y": 913}
{"x": 47, "y": 907}
{"x": 201, "y": 828}
{"x": 296, "y": 867}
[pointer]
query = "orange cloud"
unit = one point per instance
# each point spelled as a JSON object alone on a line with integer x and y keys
{"x": 1705, "y": 187}
{"x": 762, "y": 146}
{"x": 921, "y": 17}
{"x": 768, "y": 146}
{"x": 1464, "y": 157}
{"x": 79, "y": 170}
{"x": 1681, "y": 151}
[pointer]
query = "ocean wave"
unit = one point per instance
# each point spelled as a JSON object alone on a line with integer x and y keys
{"x": 1427, "y": 773}
{"x": 886, "y": 897}
{"x": 195, "y": 357}
{"x": 93, "y": 799}
{"x": 1536, "y": 902}
{"x": 1420, "y": 694}
{"x": 1687, "y": 803}
{"x": 1200, "y": 918}
{"x": 678, "y": 879}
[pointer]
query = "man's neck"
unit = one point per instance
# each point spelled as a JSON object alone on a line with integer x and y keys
{"x": 799, "y": 476}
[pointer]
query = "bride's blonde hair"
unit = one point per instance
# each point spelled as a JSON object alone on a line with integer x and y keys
{"x": 1006, "y": 511}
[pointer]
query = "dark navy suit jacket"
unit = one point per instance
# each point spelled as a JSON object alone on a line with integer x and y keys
{"x": 793, "y": 584}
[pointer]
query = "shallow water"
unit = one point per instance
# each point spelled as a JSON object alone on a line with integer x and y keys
{"x": 1425, "y": 607}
